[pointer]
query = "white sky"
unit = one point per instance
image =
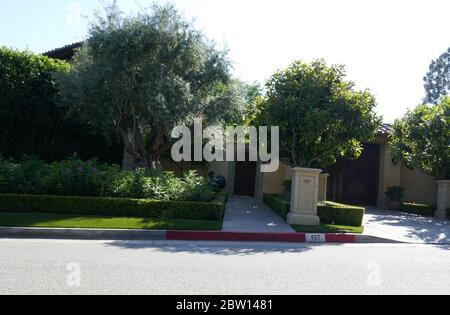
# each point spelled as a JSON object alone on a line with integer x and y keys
{"x": 387, "y": 46}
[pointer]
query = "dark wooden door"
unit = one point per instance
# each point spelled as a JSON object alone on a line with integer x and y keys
{"x": 245, "y": 179}
{"x": 356, "y": 181}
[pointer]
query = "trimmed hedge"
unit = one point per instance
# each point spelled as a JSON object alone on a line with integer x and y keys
{"x": 340, "y": 214}
{"x": 329, "y": 212}
{"x": 425, "y": 210}
{"x": 117, "y": 207}
{"x": 279, "y": 205}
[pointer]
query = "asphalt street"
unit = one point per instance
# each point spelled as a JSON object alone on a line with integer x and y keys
{"x": 95, "y": 267}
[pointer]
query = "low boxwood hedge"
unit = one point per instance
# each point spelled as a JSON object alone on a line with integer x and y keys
{"x": 116, "y": 207}
{"x": 278, "y": 204}
{"x": 340, "y": 214}
{"x": 419, "y": 209}
{"x": 329, "y": 212}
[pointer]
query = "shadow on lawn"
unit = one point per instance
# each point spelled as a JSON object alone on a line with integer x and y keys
{"x": 425, "y": 229}
{"x": 217, "y": 248}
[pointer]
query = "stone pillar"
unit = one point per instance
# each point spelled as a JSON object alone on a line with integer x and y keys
{"x": 323, "y": 185}
{"x": 443, "y": 198}
{"x": 305, "y": 195}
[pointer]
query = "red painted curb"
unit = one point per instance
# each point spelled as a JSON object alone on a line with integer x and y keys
{"x": 340, "y": 238}
{"x": 255, "y": 237}
{"x": 235, "y": 236}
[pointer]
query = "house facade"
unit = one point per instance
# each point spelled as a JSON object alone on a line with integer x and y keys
{"x": 359, "y": 182}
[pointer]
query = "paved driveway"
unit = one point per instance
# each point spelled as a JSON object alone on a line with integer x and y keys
{"x": 245, "y": 214}
{"x": 405, "y": 227}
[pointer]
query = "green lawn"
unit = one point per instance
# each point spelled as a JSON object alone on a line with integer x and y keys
{"x": 328, "y": 229}
{"x": 77, "y": 221}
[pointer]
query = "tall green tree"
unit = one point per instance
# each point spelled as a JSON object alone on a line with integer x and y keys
{"x": 144, "y": 74}
{"x": 421, "y": 140}
{"x": 29, "y": 114}
{"x": 437, "y": 80}
{"x": 321, "y": 116}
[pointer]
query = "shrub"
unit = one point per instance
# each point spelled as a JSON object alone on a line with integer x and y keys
{"x": 329, "y": 212}
{"x": 278, "y": 204}
{"x": 74, "y": 177}
{"x": 419, "y": 209}
{"x": 119, "y": 207}
{"x": 163, "y": 186}
{"x": 129, "y": 184}
{"x": 395, "y": 193}
{"x": 25, "y": 178}
{"x": 340, "y": 214}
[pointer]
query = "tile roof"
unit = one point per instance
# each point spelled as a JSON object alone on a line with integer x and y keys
{"x": 385, "y": 129}
{"x": 64, "y": 53}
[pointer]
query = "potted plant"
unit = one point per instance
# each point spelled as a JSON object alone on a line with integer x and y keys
{"x": 395, "y": 195}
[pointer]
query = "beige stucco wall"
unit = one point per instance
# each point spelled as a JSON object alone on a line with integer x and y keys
{"x": 273, "y": 182}
{"x": 390, "y": 172}
{"x": 419, "y": 187}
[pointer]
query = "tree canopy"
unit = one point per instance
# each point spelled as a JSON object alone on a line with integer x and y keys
{"x": 437, "y": 80}
{"x": 321, "y": 116}
{"x": 421, "y": 140}
{"x": 147, "y": 73}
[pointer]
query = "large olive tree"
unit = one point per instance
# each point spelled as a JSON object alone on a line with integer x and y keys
{"x": 421, "y": 140}
{"x": 321, "y": 116}
{"x": 147, "y": 73}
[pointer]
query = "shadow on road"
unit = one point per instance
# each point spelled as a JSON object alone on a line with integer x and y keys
{"x": 217, "y": 248}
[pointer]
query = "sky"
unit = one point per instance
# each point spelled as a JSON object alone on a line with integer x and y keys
{"x": 386, "y": 45}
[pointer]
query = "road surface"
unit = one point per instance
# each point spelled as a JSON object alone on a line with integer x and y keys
{"x": 94, "y": 267}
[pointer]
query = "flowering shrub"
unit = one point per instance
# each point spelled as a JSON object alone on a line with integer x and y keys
{"x": 74, "y": 177}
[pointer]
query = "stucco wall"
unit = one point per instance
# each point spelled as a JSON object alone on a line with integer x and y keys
{"x": 273, "y": 182}
{"x": 390, "y": 174}
{"x": 419, "y": 187}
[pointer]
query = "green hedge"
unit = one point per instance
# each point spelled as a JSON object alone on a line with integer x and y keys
{"x": 117, "y": 207}
{"x": 329, "y": 212}
{"x": 425, "y": 210}
{"x": 279, "y": 205}
{"x": 340, "y": 214}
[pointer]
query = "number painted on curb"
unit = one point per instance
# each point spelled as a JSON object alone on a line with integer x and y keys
{"x": 315, "y": 238}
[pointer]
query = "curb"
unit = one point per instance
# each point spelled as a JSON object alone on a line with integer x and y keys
{"x": 158, "y": 235}
{"x": 84, "y": 234}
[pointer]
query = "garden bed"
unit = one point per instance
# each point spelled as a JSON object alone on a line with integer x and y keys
{"x": 334, "y": 217}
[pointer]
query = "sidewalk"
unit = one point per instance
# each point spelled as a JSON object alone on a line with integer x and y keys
{"x": 246, "y": 214}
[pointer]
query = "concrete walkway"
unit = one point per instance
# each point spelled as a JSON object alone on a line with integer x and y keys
{"x": 245, "y": 214}
{"x": 405, "y": 227}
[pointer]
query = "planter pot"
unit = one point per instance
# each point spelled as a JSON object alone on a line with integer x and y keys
{"x": 395, "y": 205}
